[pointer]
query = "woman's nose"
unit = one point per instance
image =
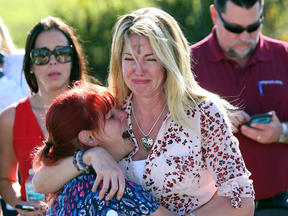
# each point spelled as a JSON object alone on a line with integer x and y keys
{"x": 139, "y": 68}
{"x": 52, "y": 59}
{"x": 122, "y": 116}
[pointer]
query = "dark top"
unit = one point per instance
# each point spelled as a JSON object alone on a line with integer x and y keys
{"x": 78, "y": 199}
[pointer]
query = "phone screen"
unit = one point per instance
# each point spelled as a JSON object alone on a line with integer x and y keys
{"x": 25, "y": 207}
{"x": 260, "y": 118}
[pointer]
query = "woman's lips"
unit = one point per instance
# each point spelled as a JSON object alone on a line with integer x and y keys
{"x": 54, "y": 75}
{"x": 137, "y": 81}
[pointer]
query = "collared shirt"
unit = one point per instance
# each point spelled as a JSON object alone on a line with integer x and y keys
{"x": 184, "y": 165}
{"x": 259, "y": 87}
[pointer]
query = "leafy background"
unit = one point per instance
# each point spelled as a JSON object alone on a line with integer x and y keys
{"x": 94, "y": 19}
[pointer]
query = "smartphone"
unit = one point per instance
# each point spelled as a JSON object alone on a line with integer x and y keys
{"x": 260, "y": 118}
{"x": 25, "y": 207}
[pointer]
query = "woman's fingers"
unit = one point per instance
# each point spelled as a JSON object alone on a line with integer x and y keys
{"x": 113, "y": 188}
{"x": 106, "y": 182}
{"x": 121, "y": 186}
{"x": 110, "y": 182}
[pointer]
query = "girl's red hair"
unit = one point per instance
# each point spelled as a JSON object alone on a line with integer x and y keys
{"x": 83, "y": 107}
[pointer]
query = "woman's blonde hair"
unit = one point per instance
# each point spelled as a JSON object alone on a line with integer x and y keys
{"x": 171, "y": 49}
{"x": 6, "y": 43}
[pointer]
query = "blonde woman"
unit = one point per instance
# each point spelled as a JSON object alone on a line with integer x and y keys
{"x": 185, "y": 153}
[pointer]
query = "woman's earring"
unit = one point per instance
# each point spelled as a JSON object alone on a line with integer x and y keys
{"x": 31, "y": 72}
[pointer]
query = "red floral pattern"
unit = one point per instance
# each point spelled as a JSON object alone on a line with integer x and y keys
{"x": 185, "y": 166}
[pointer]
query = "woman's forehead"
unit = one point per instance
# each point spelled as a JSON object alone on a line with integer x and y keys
{"x": 138, "y": 44}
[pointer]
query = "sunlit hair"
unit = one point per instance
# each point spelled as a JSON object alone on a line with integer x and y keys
{"x": 221, "y": 4}
{"x": 171, "y": 50}
{"x": 53, "y": 23}
{"x": 83, "y": 107}
{"x": 6, "y": 44}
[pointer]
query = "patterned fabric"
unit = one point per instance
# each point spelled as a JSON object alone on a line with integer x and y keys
{"x": 185, "y": 166}
{"x": 78, "y": 199}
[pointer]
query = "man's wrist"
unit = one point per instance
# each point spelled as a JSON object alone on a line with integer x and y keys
{"x": 283, "y": 135}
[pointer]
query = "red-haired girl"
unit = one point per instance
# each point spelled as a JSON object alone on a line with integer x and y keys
{"x": 81, "y": 118}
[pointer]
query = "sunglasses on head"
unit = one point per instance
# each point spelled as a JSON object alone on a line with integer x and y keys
{"x": 238, "y": 29}
{"x": 41, "y": 56}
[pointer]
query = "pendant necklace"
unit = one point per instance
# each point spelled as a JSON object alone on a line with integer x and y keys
{"x": 147, "y": 141}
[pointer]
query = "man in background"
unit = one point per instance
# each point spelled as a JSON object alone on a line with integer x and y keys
{"x": 250, "y": 70}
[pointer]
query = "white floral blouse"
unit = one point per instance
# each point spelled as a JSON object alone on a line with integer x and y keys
{"x": 185, "y": 168}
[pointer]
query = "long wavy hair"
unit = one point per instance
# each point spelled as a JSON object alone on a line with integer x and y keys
{"x": 171, "y": 49}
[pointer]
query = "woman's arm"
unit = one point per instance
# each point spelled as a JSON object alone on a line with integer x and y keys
{"x": 212, "y": 208}
{"x": 162, "y": 211}
{"x": 48, "y": 179}
{"x": 9, "y": 185}
{"x": 222, "y": 206}
{"x": 8, "y": 161}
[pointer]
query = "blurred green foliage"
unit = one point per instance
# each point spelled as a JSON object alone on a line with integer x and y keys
{"x": 94, "y": 20}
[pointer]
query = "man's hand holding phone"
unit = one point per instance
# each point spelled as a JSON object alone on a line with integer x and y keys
{"x": 263, "y": 128}
{"x": 260, "y": 118}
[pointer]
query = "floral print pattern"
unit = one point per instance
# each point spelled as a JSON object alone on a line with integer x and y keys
{"x": 186, "y": 166}
{"x": 78, "y": 199}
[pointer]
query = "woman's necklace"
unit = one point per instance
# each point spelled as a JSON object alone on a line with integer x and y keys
{"x": 42, "y": 115}
{"x": 41, "y": 105}
{"x": 147, "y": 141}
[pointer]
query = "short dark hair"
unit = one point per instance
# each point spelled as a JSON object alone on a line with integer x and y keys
{"x": 53, "y": 23}
{"x": 221, "y": 4}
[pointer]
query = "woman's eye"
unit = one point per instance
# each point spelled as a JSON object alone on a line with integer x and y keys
{"x": 112, "y": 116}
{"x": 152, "y": 59}
{"x": 128, "y": 59}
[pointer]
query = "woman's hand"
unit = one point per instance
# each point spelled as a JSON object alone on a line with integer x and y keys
{"x": 107, "y": 170}
{"x": 39, "y": 210}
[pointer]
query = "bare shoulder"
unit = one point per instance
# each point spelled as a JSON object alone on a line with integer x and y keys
{"x": 7, "y": 117}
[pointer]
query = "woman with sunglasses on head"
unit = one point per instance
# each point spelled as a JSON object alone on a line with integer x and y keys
{"x": 78, "y": 119}
{"x": 53, "y": 61}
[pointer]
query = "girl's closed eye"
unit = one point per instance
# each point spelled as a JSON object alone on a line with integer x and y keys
{"x": 109, "y": 115}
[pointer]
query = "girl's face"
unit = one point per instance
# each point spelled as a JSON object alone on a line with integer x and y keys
{"x": 53, "y": 76}
{"x": 113, "y": 136}
{"x": 143, "y": 75}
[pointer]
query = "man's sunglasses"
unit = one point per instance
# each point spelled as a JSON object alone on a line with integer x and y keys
{"x": 62, "y": 54}
{"x": 238, "y": 29}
